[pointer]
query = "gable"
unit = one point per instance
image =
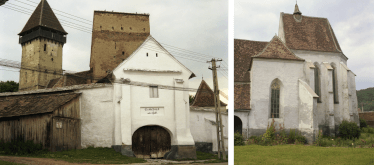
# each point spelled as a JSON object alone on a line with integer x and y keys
{"x": 205, "y": 96}
{"x": 310, "y": 33}
{"x": 152, "y": 57}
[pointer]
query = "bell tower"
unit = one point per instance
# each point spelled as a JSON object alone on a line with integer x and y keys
{"x": 42, "y": 40}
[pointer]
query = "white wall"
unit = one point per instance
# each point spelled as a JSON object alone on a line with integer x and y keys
{"x": 263, "y": 72}
{"x": 160, "y": 70}
{"x": 203, "y": 129}
{"x": 96, "y": 117}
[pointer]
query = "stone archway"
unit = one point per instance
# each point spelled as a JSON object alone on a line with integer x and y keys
{"x": 151, "y": 142}
{"x": 238, "y": 125}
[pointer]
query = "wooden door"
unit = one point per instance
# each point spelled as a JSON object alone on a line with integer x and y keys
{"x": 151, "y": 142}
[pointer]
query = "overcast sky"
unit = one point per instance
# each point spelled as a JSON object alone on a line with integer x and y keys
{"x": 199, "y": 26}
{"x": 352, "y": 21}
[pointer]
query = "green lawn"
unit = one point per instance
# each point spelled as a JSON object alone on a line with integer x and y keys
{"x": 300, "y": 154}
{"x": 89, "y": 155}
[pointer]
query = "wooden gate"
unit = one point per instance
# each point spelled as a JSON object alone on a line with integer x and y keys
{"x": 151, "y": 142}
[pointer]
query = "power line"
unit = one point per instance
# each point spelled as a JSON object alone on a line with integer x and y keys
{"x": 54, "y": 9}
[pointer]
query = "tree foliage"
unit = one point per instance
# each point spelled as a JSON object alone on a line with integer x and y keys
{"x": 365, "y": 97}
{"x": 8, "y": 86}
{"x": 192, "y": 98}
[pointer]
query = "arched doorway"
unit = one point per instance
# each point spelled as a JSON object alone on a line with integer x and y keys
{"x": 151, "y": 142}
{"x": 238, "y": 125}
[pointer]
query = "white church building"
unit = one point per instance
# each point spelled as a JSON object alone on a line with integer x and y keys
{"x": 300, "y": 79}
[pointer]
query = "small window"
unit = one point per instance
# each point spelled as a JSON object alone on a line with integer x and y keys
{"x": 121, "y": 28}
{"x": 52, "y": 59}
{"x": 45, "y": 47}
{"x": 123, "y": 53}
{"x": 153, "y": 91}
{"x": 156, "y": 55}
{"x": 147, "y": 54}
{"x": 335, "y": 86}
{"x": 112, "y": 28}
{"x": 130, "y": 28}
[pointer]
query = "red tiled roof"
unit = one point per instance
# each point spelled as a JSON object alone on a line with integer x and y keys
{"x": 311, "y": 33}
{"x": 28, "y": 104}
{"x": 276, "y": 49}
{"x": 205, "y": 96}
{"x": 243, "y": 51}
{"x": 43, "y": 16}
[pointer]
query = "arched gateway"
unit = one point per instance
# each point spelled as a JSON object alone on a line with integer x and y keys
{"x": 238, "y": 124}
{"x": 151, "y": 142}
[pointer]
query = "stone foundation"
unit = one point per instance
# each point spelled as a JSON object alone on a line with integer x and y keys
{"x": 181, "y": 152}
{"x": 204, "y": 147}
{"x": 124, "y": 150}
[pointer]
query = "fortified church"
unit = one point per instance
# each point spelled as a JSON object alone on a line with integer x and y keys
{"x": 124, "y": 101}
{"x": 299, "y": 78}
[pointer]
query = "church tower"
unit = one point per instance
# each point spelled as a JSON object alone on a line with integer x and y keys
{"x": 42, "y": 40}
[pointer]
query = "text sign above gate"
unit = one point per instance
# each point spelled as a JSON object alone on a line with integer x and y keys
{"x": 152, "y": 111}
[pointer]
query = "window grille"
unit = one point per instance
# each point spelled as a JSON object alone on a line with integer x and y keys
{"x": 153, "y": 91}
{"x": 275, "y": 93}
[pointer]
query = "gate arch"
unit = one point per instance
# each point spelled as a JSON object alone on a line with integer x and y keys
{"x": 238, "y": 125}
{"x": 151, "y": 142}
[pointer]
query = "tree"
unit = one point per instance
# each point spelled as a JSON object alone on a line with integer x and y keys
{"x": 192, "y": 98}
{"x": 8, "y": 86}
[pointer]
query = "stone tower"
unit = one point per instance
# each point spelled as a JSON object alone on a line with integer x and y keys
{"x": 115, "y": 36}
{"x": 42, "y": 40}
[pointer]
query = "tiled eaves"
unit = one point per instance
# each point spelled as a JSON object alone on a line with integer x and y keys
{"x": 51, "y": 90}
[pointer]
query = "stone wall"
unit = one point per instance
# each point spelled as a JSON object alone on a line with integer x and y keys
{"x": 368, "y": 117}
{"x": 115, "y": 36}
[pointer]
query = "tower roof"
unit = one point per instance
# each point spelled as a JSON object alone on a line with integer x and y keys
{"x": 297, "y": 11}
{"x": 43, "y": 16}
{"x": 205, "y": 96}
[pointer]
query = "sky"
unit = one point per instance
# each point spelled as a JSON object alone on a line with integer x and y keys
{"x": 198, "y": 26}
{"x": 352, "y": 22}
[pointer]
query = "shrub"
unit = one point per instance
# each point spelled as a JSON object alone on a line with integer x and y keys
{"x": 363, "y": 123}
{"x": 281, "y": 138}
{"x": 268, "y": 136}
{"x": 292, "y": 136}
{"x": 238, "y": 139}
{"x": 21, "y": 147}
{"x": 349, "y": 130}
{"x": 300, "y": 138}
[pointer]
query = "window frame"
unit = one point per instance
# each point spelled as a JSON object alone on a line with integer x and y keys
{"x": 153, "y": 92}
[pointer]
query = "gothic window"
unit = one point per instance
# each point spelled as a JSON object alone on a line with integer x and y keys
{"x": 153, "y": 91}
{"x": 335, "y": 86}
{"x": 275, "y": 93}
{"x": 317, "y": 84}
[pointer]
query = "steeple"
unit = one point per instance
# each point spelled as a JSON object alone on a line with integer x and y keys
{"x": 43, "y": 23}
{"x": 297, "y": 13}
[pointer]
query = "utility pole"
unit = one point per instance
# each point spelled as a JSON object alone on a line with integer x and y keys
{"x": 217, "y": 102}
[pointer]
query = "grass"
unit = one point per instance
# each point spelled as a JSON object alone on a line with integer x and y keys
{"x": 300, "y": 154}
{"x": 365, "y": 140}
{"x": 9, "y": 163}
{"x": 207, "y": 156}
{"x": 89, "y": 155}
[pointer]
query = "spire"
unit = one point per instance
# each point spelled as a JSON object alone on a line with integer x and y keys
{"x": 297, "y": 11}
{"x": 43, "y": 16}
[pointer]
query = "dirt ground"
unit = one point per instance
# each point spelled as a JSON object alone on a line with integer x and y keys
{"x": 46, "y": 161}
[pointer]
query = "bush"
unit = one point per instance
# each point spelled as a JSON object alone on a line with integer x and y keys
{"x": 238, "y": 139}
{"x": 292, "y": 136}
{"x": 349, "y": 130}
{"x": 269, "y": 135}
{"x": 20, "y": 147}
{"x": 363, "y": 123}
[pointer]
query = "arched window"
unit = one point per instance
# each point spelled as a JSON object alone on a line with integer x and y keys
{"x": 317, "y": 82}
{"x": 335, "y": 84}
{"x": 275, "y": 93}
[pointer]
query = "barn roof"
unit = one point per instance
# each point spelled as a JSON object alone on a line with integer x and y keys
{"x": 309, "y": 33}
{"x": 43, "y": 16}
{"x": 20, "y": 105}
{"x": 205, "y": 96}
